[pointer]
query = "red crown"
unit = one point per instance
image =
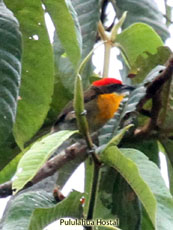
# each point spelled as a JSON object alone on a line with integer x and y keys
{"x": 106, "y": 81}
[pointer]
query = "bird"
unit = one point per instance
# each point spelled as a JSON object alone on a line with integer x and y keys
{"x": 101, "y": 100}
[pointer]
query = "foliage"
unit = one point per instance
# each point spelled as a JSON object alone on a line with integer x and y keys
{"x": 38, "y": 78}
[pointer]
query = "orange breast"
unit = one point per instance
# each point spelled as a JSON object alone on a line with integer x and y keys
{"x": 108, "y": 104}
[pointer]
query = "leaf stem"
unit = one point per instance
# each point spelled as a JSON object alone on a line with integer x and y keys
{"x": 108, "y": 46}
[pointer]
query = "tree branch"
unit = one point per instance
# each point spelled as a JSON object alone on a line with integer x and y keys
{"x": 158, "y": 82}
{"x": 153, "y": 92}
{"x": 79, "y": 149}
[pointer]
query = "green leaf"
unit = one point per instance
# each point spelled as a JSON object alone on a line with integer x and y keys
{"x": 116, "y": 200}
{"x": 37, "y": 73}
{"x": 146, "y": 222}
{"x": 146, "y": 64}
{"x": 8, "y": 150}
{"x": 168, "y": 147}
{"x": 134, "y": 41}
{"x": 117, "y": 26}
{"x": 9, "y": 170}
{"x": 116, "y": 140}
{"x": 88, "y": 17}
{"x": 10, "y": 70}
{"x": 170, "y": 174}
{"x": 145, "y": 11}
{"x": 165, "y": 118}
{"x": 148, "y": 147}
{"x": 69, "y": 207}
{"x": 146, "y": 181}
{"x": 65, "y": 28}
{"x": 64, "y": 78}
{"x": 88, "y": 12}
{"x": 19, "y": 211}
{"x": 36, "y": 156}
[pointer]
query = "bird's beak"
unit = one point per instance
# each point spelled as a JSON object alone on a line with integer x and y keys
{"x": 124, "y": 88}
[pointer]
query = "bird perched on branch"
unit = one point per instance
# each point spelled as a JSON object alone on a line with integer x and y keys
{"x": 101, "y": 101}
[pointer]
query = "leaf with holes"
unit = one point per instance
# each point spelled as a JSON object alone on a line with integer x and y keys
{"x": 134, "y": 41}
{"x": 10, "y": 69}
{"x": 146, "y": 64}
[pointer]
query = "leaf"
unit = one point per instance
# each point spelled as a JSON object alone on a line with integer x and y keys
{"x": 69, "y": 207}
{"x": 138, "y": 171}
{"x": 25, "y": 209}
{"x": 146, "y": 64}
{"x": 37, "y": 72}
{"x": 117, "y": 139}
{"x": 165, "y": 116}
{"x": 65, "y": 27}
{"x": 36, "y": 156}
{"x": 170, "y": 174}
{"x": 88, "y": 16}
{"x": 116, "y": 27}
{"x": 146, "y": 222}
{"x": 88, "y": 12}
{"x": 143, "y": 11}
{"x": 64, "y": 78}
{"x": 148, "y": 147}
{"x": 116, "y": 200}
{"x": 8, "y": 150}
{"x": 168, "y": 147}
{"x": 10, "y": 70}
{"x": 9, "y": 170}
{"x": 134, "y": 41}
{"x": 19, "y": 211}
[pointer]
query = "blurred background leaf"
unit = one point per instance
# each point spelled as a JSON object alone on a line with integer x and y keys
{"x": 37, "y": 70}
{"x": 10, "y": 70}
